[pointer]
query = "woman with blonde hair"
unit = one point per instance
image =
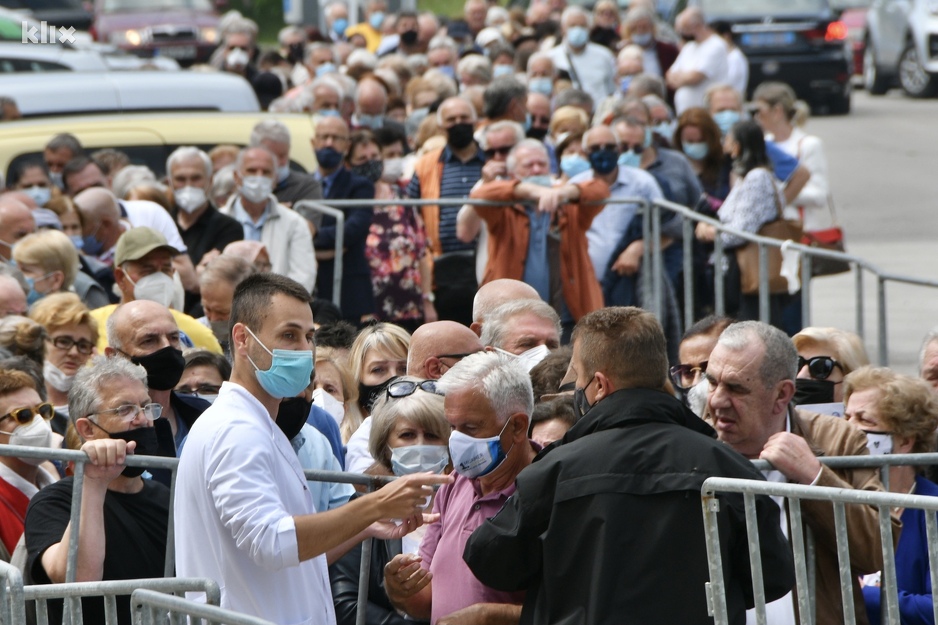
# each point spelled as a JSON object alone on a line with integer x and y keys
{"x": 568, "y": 119}
{"x": 71, "y": 335}
{"x": 825, "y": 357}
{"x": 21, "y": 336}
{"x": 49, "y": 261}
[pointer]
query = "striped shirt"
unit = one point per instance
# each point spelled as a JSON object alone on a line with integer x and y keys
{"x": 458, "y": 180}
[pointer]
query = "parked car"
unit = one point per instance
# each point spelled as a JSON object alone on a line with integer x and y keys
{"x": 799, "y": 42}
{"x": 853, "y": 15}
{"x": 184, "y": 30}
{"x": 65, "y": 13}
{"x": 902, "y": 47}
{"x": 116, "y": 92}
{"x": 19, "y": 57}
{"x": 149, "y": 138}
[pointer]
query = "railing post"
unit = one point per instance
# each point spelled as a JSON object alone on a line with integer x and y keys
{"x": 858, "y": 282}
{"x": 647, "y": 261}
{"x": 719, "y": 275}
{"x": 690, "y": 279}
{"x": 657, "y": 263}
{"x": 882, "y": 339}
{"x": 339, "y": 217}
{"x": 764, "y": 290}
{"x": 806, "y": 290}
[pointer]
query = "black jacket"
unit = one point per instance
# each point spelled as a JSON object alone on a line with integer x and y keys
{"x": 606, "y": 526}
{"x": 297, "y": 187}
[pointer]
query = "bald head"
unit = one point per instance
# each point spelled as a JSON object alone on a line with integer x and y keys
{"x": 141, "y": 327}
{"x": 495, "y": 293}
{"x": 691, "y": 22}
{"x": 371, "y": 98}
{"x": 16, "y": 221}
{"x": 98, "y": 203}
{"x": 434, "y": 348}
{"x": 23, "y": 198}
{"x": 12, "y": 297}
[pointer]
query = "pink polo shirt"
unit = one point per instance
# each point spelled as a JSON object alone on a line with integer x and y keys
{"x": 462, "y": 508}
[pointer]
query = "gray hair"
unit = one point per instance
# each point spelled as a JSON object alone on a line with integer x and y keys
{"x": 315, "y": 47}
{"x": 439, "y": 110}
{"x": 185, "y": 153}
{"x": 271, "y": 130}
{"x": 83, "y": 399}
{"x": 525, "y": 144}
{"x": 505, "y": 124}
{"x": 110, "y": 327}
{"x": 652, "y": 101}
{"x": 648, "y": 83}
{"x": 417, "y": 63}
{"x": 443, "y": 42}
{"x": 363, "y": 58}
{"x": 499, "y": 95}
{"x": 574, "y": 10}
{"x": 67, "y": 141}
{"x": 240, "y": 160}
{"x": 223, "y": 182}
{"x": 129, "y": 177}
{"x": 930, "y": 338}
{"x": 780, "y": 358}
{"x": 500, "y": 379}
{"x": 329, "y": 83}
{"x": 8, "y": 270}
{"x": 288, "y": 31}
{"x": 493, "y": 330}
{"x": 574, "y": 97}
{"x": 231, "y": 269}
{"x": 477, "y": 66}
{"x": 541, "y": 56}
{"x": 242, "y": 26}
{"x": 639, "y": 13}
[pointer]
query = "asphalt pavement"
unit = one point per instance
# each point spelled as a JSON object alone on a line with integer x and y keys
{"x": 884, "y": 181}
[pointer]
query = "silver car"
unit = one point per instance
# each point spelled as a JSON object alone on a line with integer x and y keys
{"x": 902, "y": 47}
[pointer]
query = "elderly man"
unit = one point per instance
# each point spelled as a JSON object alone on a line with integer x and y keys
{"x": 608, "y": 476}
{"x": 371, "y": 105}
{"x": 146, "y": 333}
{"x": 657, "y": 56}
{"x": 928, "y": 358}
{"x": 505, "y": 98}
{"x": 523, "y": 240}
{"x": 123, "y": 517}
{"x": 591, "y": 67}
{"x": 327, "y": 97}
{"x": 12, "y": 296}
{"x": 250, "y": 518}
{"x": 202, "y": 227}
{"x": 292, "y": 186}
{"x": 523, "y": 326}
{"x": 283, "y": 232}
{"x": 24, "y": 420}
{"x": 701, "y": 63}
{"x": 143, "y": 270}
{"x": 751, "y": 373}
{"x": 495, "y": 293}
{"x": 331, "y": 144}
{"x": 538, "y": 106}
{"x": 488, "y": 404}
{"x": 541, "y": 74}
{"x": 57, "y": 153}
{"x": 218, "y": 281}
{"x": 450, "y": 172}
{"x": 16, "y": 221}
{"x": 336, "y": 20}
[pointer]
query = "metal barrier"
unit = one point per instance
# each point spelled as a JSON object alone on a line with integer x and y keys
{"x": 795, "y": 493}
{"x": 319, "y": 207}
{"x": 12, "y": 605}
{"x": 152, "y": 608}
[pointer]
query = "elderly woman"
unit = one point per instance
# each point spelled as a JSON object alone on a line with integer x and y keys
{"x": 334, "y": 389}
{"x": 409, "y": 435}
{"x": 899, "y": 415}
{"x": 49, "y": 260}
{"x": 71, "y": 336}
{"x": 825, "y": 357}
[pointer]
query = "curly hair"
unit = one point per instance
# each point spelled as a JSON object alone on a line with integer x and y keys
{"x": 23, "y": 337}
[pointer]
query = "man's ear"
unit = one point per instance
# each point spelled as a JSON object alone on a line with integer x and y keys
{"x": 604, "y": 386}
{"x": 84, "y": 428}
{"x": 476, "y": 327}
{"x": 433, "y": 366}
{"x": 239, "y": 337}
{"x": 519, "y": 426}
{"x": 110, "y": 352}
{"x": 58, "y": 279}
{"x": 785, "y": 391}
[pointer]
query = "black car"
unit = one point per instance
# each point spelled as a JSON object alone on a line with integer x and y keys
{"x": 799, "y": 42}
{"x": 58, "y": 13}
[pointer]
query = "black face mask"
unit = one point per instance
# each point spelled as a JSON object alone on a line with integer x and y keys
{"x": 295, "y": 53}
{"x": 292, "y": 415}
{"x": 164, "y": 367}
{"x": 537, "y": 133}
{"x": 147, "y": 445}
{"x": 604, "y": 161}
{"x": 409, "y": 37}
{"x": 460, "y": 135}
{"x": 368, "y": 395}
{"x": 581, "y": 405}
{"x": 687, "y": 38}
{"x": 809, "y": 391}
{"x": 371, "y": 170}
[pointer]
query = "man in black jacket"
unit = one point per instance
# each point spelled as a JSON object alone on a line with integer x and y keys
{"x": 606, "y": 526}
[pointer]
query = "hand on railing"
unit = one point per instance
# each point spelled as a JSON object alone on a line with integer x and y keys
{"x": 705, "y": 232}
{"x": 106, "y": 459}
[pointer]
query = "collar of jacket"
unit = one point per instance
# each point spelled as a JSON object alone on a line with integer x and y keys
{"x": 635, "y": 406}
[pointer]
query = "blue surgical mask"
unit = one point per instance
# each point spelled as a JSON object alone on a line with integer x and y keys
{"x": 527, "y": 122}
{"x": 370, "y": 121}
{"x": 641, "y": 39}
{"x": 328, "y": 113}
{"x": 542, "y": 85}
{"x": 696, "y": 151}
{"x": 326, "y": 68}
{"x": 448, "y": 70}
{"x": 726, "y": 119}
{"x": 577, "y": 36}
{"x": 541, "y": 181}
{"x": 573, "y": 164}
{"x": 56, "y": 178}
{"x": 476, "y": 457}
{"x": 34, "y": 296}
{"x": 339, "y": 26}
{"x": 502, "y": 70}
{"x": 289, "y": 373}
{"x": 648, "y": 138}
{"x": 376, "y": 19}
{"x": 624, "y": 83}
{"x": 666, "y": 130}
{"x": 78, "y": 241}
{"x": 39, "y": 195}
{"x": 282, "y": 173}
{"x": 91, "y": 245}
{"x": 629, "y": 159}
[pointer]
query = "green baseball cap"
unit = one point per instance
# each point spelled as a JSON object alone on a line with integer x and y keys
{"x": 136, "y": 243}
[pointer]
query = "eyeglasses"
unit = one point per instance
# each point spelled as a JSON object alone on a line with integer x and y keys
{"x": 820, "y": 367}
{"x": 638, "y": 148}
{"x": 202, "y": 389}
{"x": 129, "y": 412}
{"x": 602, "y": 146}
{"x": 405, "y": 388}
{"x": 492, "y": 152}
{"x": 25, "y": 415}
{"x": 540, "y": 119}
{"x": 65, "y": 343}
{"x": 685, "y": 376}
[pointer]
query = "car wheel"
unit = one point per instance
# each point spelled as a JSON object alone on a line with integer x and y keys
{"x": 873, "y": 80}
{"x": 913, "y": 78}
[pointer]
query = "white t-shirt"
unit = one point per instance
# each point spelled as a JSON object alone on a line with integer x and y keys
{"x": 152, "y": 215}
{"x": 737, "y": 70}
{"x": 594, "y": 66}
{"x": 708, "y": 57}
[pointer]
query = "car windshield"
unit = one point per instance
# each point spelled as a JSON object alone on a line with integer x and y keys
{"x": 155, "y": 5}
{"x": 774, "y": 8}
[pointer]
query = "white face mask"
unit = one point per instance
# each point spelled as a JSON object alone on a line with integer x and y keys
{"x": 476, "y": 457}
{"x": 237, "y": 57}
{"x": 283, "y": 173}
{"x": 419, "y": 459}
{"x": 879, "y": 443}
{"x": 56, "y": 377}
{"x": 330, "y": 404}
{"x": 393, "y": 169}
{"x": 36, "y": 433}
{"x": 530, "y": 358}
{"x": 697, "y": 397}
{"x": 40, "y": 195}
{"x": 56, "y": 178}
{"x": 189, "y": 198}
{"x": 156, "y": 287}
{"x": 256, "y": 188}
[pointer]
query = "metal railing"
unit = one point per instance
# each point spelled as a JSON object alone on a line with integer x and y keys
{"x": 153, "y": 608}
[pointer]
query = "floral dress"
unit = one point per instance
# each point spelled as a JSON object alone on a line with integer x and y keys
{"x": 396, "y": 242}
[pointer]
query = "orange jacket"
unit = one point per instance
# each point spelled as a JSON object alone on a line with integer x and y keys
{"x": 509, "y": 229}
{"x": 429, "y": 170}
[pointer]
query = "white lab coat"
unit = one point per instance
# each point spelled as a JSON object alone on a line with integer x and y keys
{"x": 239, "y": 485}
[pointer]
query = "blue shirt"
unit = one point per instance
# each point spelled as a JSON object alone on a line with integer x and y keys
{"x": 536, "y": 267}
{"x": 252, "y": 229}
{"x": 783, "y": 163}
{"x": 328, "y": 180}
{"x": 323, "y": 421}
{"x": 458, "y": 180}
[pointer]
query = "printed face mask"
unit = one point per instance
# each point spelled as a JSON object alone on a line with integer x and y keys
{"x": 476, "y": 457}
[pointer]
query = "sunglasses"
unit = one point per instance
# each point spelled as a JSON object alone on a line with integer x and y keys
{"x": 491, "y": 152}
{"x": 24, "y": 416}
{"x": 202, "y": 389}
{"x": 637, "y": 148}
{"x": 685, "y": 376}
{"x": 405, "y": 388}
{"x": 820, "y": 367}
{"x": 609, "y": 147}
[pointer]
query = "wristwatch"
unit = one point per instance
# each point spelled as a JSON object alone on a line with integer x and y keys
{"x": 428, "y": 297}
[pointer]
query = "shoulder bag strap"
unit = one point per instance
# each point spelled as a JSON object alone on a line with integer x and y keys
{"x": 576, "y": 78}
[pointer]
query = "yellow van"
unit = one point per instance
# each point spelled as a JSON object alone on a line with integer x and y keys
{"x": 149, "y": 138}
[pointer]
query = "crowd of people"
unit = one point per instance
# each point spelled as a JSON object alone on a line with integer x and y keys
{"x": 549, "y": 436}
